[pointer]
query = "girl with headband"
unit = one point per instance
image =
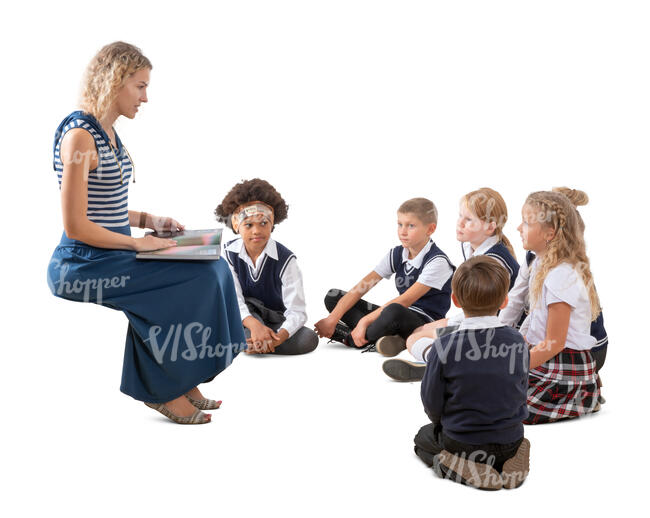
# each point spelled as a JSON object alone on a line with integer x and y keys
{"x": 267, "y": 278}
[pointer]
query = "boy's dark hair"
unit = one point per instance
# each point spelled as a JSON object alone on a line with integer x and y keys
{"x": 424, "y": 209}
{"x": 480, "y": 285}
{"x": 248, "y": 191}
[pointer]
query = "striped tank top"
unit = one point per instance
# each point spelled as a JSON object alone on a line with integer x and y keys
{"x": 108, "y": 184}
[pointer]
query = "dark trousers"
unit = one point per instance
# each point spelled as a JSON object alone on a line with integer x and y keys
{"x": 394, "y": 319}
{"x": 599, "y": 354}
{"x": 303, "y": 341}
{"x": 431, "y": 440}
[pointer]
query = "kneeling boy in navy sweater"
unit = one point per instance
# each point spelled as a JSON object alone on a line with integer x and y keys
{"x": 474, "y": 387}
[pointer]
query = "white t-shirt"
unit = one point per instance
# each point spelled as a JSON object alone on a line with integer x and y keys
{"x": 562, "y": 284}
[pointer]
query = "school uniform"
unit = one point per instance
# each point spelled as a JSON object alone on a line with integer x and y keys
{"x": 271, "y": 290}
{"x": 474, "y": 392}
{"x": 184, "y": 326}
{"x": 430, "y": 267}
{"x": 491, "y": 247}
{"x": 514, "y": 314}
{"x": 494, "y": 248}
{"x": 566, "y": 385}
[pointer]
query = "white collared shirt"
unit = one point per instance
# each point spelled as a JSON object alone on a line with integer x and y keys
{"x": 293, "y": 295}
{"x": 483, "y": 322}
{"x": 468, "y": 251}
{"x": 517, "y": 298}
{"x": 434, "y": 274}
{"x": 562, "y": 284}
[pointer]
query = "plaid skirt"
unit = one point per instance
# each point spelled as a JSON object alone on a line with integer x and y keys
{"x": 564, "y": 387}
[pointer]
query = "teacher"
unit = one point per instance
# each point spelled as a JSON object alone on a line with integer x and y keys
{"x": 184, "y": 323}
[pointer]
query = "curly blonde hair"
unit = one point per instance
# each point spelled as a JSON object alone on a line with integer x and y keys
{"x": 489, "y": 206}
{"x": 557, "y": 211}
{"x": 106, "y": 74}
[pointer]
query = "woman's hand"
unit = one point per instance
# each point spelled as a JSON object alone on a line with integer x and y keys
{"x": 163, "y": 224}
{"x": 359, "y": 333}
{"x": 148, "y": 243}
{"x": 325, "y": 327}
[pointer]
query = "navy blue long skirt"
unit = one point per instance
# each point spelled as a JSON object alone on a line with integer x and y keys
{"x": 184, "y": 322}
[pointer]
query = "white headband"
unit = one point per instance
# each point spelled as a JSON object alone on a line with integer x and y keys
{"x": 256, "y": 209}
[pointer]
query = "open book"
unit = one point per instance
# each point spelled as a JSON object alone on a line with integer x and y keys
{"x": 193, "y": 245}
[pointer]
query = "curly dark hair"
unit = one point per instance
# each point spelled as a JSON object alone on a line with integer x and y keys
{"x": 248, "y": 191}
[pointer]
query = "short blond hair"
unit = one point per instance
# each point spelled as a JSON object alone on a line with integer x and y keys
{"x": 424, "y": 209}
{"x": 106, "y": 74}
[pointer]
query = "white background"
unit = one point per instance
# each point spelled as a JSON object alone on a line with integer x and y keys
{"x": 348, "y": 108}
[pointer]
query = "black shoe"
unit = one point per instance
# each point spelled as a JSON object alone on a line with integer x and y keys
{"x": 340, "y": 334}
{"x": 404, "y": 370}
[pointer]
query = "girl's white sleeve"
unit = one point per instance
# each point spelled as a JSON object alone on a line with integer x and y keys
{"x": 517, "y": 297}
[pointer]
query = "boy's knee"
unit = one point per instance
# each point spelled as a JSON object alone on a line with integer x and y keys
{"x": 309, "y": 341}
{"x": 393, "y": 311}
{"x": 332, "y": 298}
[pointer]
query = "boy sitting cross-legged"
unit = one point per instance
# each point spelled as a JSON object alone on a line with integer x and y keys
{"x": 474, "y": 387}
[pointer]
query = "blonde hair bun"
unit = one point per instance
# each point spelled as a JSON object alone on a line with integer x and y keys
{"x": 576, "y": 197}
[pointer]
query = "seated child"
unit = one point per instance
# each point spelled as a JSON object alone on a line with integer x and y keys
{"x": 422, "y": 277}
{"x": 482, "y": 216}
{"x": 474, "y": 387}
{"x": 563, "y": 302}
{"x": 267, "y": 279}
{"x": 515, "y": 313}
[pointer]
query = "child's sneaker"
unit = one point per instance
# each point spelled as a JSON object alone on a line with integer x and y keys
{"x": 404, "y": 370}
{"x": 515, "y": 470}
{"x": 390, "y": 345}
{"x": 467, "y": 472}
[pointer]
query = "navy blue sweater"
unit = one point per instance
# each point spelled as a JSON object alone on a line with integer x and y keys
{"x": 475, "y": 385}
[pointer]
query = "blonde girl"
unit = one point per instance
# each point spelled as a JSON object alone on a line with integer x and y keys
{"x": 563, "y": 303}
{"x": 483, "y": 214}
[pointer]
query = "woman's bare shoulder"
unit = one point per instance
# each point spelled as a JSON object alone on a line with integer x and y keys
{"x": 78, "y": 142}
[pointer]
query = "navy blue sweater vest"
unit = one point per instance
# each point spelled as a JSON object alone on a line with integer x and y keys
{"x": 435, "y": 302}
{"x": 475, "y": 385}
{"x": 501, "y": 253}
{"x": 597, "y": 326}
{"x": 267, "y": 285}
